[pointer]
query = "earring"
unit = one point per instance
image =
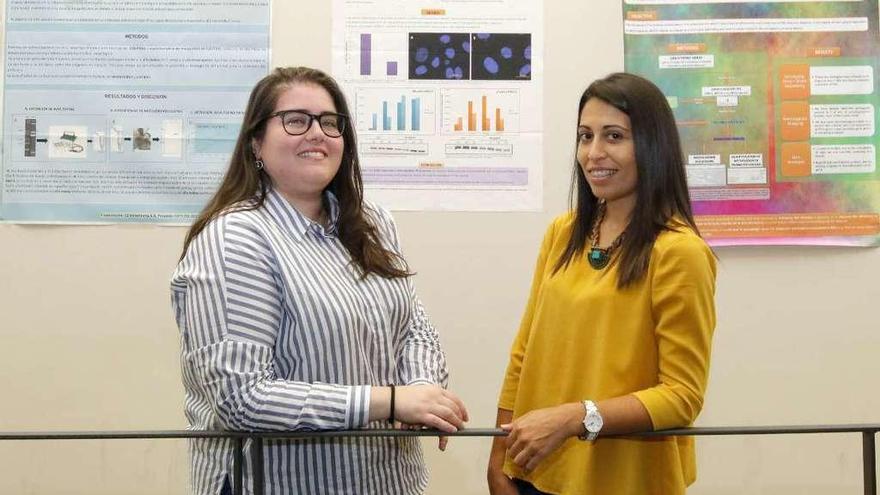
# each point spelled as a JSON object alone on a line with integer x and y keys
{"x": 259, "y": 164}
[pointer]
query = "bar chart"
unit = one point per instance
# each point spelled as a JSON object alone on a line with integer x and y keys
{"x": 377, "y": 56}
{"x": 480, "y": 111}
{"x": 395, "y": 110}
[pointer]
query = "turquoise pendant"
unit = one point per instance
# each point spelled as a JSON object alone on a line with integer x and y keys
{"x": 598, "y": 258}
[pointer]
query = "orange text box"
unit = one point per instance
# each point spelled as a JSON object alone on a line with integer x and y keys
{"x": 795, "y": 120}
{"x": 823, "y": 51}
{"x": 796, "y": 160}
{"x": 794, "y": 82}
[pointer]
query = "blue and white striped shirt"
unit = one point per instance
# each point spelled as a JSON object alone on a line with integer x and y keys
{"x": 279, "y": 332}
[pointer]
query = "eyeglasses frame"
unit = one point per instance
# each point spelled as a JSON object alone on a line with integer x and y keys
{"x": 312, "y": 118}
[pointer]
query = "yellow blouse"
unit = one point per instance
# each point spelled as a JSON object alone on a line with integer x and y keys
{"x": 583, "y": 338}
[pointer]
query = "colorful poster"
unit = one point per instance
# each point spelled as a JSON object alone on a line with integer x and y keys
{"x": 776, "y": 103}
{"x": 117, "y": 112}
{"x": 446, "y": 101}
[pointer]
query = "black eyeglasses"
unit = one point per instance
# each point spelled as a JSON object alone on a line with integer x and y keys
{"x": 298, "y": 122}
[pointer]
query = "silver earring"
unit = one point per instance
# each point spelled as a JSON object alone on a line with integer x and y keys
{"x": 259, "y": 164}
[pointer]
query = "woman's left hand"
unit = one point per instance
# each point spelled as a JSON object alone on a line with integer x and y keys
{"x": 536, "y": 434}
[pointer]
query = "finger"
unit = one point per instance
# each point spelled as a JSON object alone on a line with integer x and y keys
{"x": 534, "y": 461}
{"x": 460, "y": 403}
{"x": 442, "y": 442}
{"x": 448, "y": 415}
{"x": 439, "y": 423}
{"x": 522, "y": 458}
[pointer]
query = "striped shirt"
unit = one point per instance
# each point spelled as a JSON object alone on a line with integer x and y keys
{"x": 279, "y": 332}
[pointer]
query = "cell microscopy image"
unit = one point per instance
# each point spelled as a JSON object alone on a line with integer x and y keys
{"x": 439, "y": 55}
{"x": 501, "y": 56}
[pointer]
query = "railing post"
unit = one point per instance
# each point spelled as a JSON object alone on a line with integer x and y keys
{"x": 238, "y": 467}
{"x": 869, "y": 462}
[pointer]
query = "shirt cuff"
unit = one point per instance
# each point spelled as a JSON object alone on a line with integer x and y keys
{"x": 358, "y": 406}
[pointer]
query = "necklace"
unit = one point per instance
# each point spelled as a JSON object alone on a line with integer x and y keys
{"x": 600, "y": 257}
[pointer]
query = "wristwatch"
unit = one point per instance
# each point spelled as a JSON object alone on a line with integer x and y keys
{"x": 592, "y": 421}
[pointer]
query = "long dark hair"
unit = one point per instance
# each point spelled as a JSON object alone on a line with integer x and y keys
{"x": 244, "y": 187}
{"x": 661, "y": 188}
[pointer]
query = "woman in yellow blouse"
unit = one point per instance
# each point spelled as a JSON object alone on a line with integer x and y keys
{"x": 617, "y": 332}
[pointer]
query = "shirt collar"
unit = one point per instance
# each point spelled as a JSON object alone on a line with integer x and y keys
{"x": 286, "y": 215}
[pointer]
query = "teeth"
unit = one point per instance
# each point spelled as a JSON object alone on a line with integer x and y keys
{"x": 312, "y": 154}
{"x": 602, "y": 173}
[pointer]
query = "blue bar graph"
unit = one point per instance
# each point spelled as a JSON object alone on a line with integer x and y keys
{"x": 396, "y": 120}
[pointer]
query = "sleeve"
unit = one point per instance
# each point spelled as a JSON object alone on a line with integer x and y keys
{"x": 230, "y": 314}
{"x": 420, "y": 358}
{"x": 683, "y": 307}
{"x": 518, "y": 349}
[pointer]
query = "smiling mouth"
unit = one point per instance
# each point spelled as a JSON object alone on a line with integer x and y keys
{"x": 601, "y": 173}
{"x": 312, "y": 155}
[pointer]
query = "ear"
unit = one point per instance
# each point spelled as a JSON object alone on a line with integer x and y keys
{"x": 255, "y": 147}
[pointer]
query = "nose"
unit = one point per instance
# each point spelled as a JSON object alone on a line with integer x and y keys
{"x": 596, "y": 151}
{"x": 315, "y": 132}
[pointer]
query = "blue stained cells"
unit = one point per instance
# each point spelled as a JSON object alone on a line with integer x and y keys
{"x": 421, "y": 70}
{"x": 444, "y": 38}
{"x": 435, "y": 62}
{"x": 483, "y": 36}
{"x": 506, "y": 52}
{"x": 459, "y": 73}
{"x": 450, "y": 73}
{"x": 449, "y": 52}
{"x": 421, "y": 54}
{"x": 525, "y": 70}
{"x": 491, "y": 65}
{"x": 466, "y": 46}
{"x": 527, "y": 53}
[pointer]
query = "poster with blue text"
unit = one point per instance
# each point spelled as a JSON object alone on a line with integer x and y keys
{"x": 123, "y": 111}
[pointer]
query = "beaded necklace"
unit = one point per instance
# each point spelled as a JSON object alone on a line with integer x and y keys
{"x": 600, "y": 257}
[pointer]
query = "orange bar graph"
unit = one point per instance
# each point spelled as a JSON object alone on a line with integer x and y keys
{"x": 499, "y": 122}
{"x": 458, "y": 126}
{"x": 472, "y": 117}
{"x": 486, "y": 125}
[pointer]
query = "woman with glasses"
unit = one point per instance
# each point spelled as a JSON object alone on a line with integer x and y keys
{"x": 297, "y": 311}
{"x": 617, "y": 332}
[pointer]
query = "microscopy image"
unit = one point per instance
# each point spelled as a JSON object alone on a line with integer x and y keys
{"x": 439, "y": 55}
{"x": 501, "y": 56}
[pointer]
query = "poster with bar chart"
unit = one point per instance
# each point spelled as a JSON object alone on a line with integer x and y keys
{"x": 446, "y": 101}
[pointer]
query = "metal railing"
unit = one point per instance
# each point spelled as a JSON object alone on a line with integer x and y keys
{"x": 255, "y": 453}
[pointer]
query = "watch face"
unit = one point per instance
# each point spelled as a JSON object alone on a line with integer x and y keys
{"x": 594, "y": 423}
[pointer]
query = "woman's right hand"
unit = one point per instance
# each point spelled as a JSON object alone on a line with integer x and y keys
{"x": 431, "y": 406}
{"x": 425, "y": 405}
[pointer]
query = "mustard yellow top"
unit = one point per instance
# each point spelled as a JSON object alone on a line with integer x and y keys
{"x": 583, "y": 338}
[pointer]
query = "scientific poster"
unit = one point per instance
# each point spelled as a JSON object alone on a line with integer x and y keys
{"x": 776, "y": 103}
{"x": 124, "y": 111}
{"x": 446, "y": 101}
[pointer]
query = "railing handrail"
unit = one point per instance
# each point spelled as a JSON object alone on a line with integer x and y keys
{"x": 467, "y": 432}
{"x": 868, "y": 431}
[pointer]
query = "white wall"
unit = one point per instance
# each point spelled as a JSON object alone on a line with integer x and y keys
{"x": 87, "y": 340}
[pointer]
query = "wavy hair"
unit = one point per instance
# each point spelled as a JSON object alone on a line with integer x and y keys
{"x": 662, "y": 199}
{"x": 244, "y": 187}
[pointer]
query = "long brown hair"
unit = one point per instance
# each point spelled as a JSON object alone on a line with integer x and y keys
{"x": 244, "y": 187}
{"x": 661, "y": 188}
